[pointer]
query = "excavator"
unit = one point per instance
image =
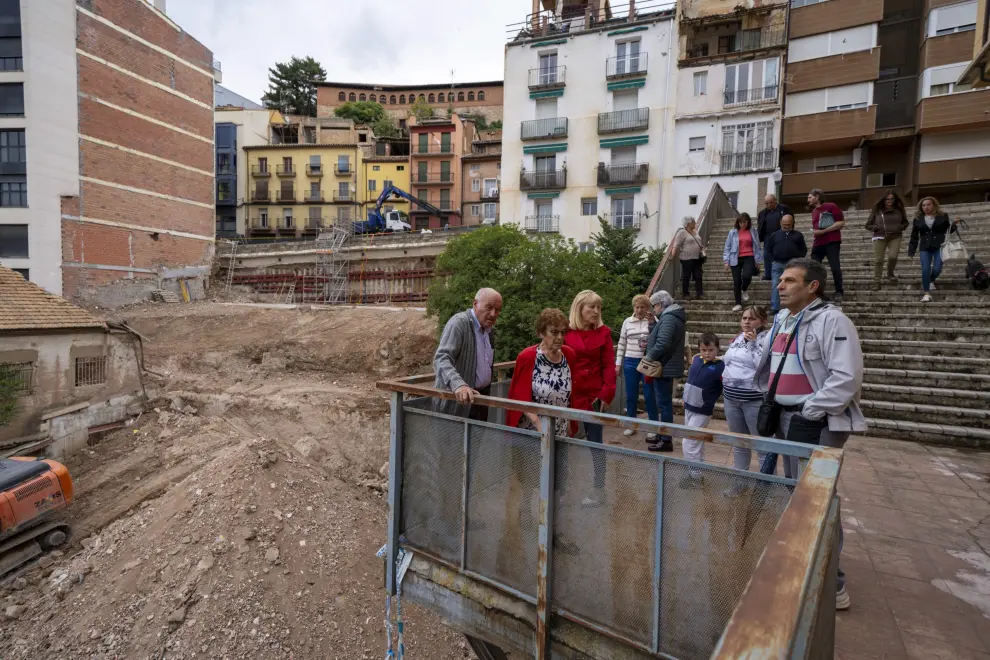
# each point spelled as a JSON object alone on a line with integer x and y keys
{"x": 391, "y": 221}
{"x": 31, "y": 490}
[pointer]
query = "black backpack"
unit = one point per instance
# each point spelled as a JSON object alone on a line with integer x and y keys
{"x": 977, "y": 274}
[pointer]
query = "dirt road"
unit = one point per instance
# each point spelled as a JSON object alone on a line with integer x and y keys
{"x": 239, "y": 519}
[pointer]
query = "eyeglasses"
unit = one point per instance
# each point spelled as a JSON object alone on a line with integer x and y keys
{"x": 556, "y": 332}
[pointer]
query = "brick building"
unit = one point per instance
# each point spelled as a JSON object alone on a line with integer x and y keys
{"x": 469, "y": 98}
{"x": 110, "y": 108}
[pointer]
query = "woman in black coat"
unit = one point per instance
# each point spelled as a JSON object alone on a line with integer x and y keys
{"x": 928, "y": 232}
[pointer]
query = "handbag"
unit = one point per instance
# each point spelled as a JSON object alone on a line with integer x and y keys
{"x": 650, "y": 368}
{"x": 768, "y": 417}
{"x": 703, "y": 252}
{"x": 826, "y": 220}
{"x": 953, "y": 248}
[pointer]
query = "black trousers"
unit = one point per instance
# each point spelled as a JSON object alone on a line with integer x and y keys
{"x": 742, "y": 276}
{"x": 830, "y": 251}
{"x": 480, "y": 413}
{"x": 691, "y": 268}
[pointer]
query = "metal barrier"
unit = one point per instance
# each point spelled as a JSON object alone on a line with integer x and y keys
{"x": 662, "y": 565}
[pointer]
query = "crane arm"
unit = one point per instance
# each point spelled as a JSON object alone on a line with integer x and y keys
{"x": 392, "y": 190}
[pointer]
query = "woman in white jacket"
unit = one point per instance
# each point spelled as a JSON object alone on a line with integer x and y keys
{"x": 741, "y": 394}
{"x": 632, "y": 346}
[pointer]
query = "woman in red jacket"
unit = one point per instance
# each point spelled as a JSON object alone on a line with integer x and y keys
{"x": 593, "y": 372}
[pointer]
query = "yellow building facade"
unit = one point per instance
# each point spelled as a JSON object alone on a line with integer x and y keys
{"x": 378, "y": 172}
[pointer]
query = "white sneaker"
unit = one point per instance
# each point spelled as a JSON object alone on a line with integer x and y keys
{"x": 737, "y": 308}
{"x": 926, "y": 298}
{"x": 628, "y": 432}
{"x": 745, "y": 297}
{"x": 842, "y": 600}
{"x": 931, "y": 287}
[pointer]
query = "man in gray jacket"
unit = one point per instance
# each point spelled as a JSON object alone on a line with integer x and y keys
{"x": 822, "y": 372}
{"x": 666, "y": 346}
{"x": 464, "y": 359}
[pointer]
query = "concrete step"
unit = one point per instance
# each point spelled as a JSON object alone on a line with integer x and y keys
{"x": 922, "y": 394}
{"x": 887, "y": 347}
{"x": 891, "y": 333}
{"x": 723, "y": 296}
{"x": 858, "y": 280}
{"x": 938, "y": 367}
{"x": 862, "y": 318}
{"x": 932, "y": 378}
{"x": 914, "y": 307}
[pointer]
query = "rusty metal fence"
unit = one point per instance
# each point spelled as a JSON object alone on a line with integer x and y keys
{"x": 622, "y": 542}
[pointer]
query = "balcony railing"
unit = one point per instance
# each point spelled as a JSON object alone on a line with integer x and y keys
{"x": 740, "y": 42}
{"x": 542, "y": 223}
{"x": 343, "y": 170}
{"x": 316, "y": 223}
{"x": 627, "y": 65}
{"x": 624, "y": 120}
{"x": 344, "y": 196}
{"x": 548, "y": 180}
{"x": 258, "y": 223}
{"x": 535, "y": 129}
{"x": 261, "y": 195}
{"x": 314, "y": 170}
{"x": 285, "y": 195}
{"x": 433, "y": 177}
{"x": 754, "y": 96}
{"x": 285, "y": 170}
{"x": 631, "y": 220}
{"x": 489, "y": 195}
{"x": 261, "y": 170}
{"x": 621, "y": 173}
{"x": 314, "y": 195}
{"x": 551, "y": 77}
{"x": 225, "y": 170}
{"x": 419, "y": 149}
{"x": 746, "y": 161}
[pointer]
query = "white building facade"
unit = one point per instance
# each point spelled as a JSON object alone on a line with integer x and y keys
{"x": 587, "y": 119}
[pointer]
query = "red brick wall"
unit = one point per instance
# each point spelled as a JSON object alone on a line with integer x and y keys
{"x": 145, "y": 105}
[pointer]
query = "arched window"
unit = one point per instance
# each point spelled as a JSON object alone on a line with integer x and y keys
{"x": 440, "y": 97}
{"x": 341, "y": 97}
{"x": 481, "y": 96}
{"x": 363, "y": 97}
{"x": 470, "y": 96}
{"x": 391, "y": 99}
{"x": 353, "y": 96}
{"x": 460, "y": 96}
{"x": 433, "y": 98}
{"x": 402, "y": 99}
{"x": 373, "y": 98}
{"x": 422, "y": 98}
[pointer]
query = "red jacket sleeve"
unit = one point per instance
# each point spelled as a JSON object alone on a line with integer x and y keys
{"x": 521, "y": 387}
{"x": 608, "y": 367}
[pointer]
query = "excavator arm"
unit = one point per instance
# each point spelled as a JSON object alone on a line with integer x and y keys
{"x": 398, "y": 192}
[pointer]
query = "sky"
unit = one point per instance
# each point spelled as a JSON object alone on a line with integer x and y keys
{"x": 380, "y": 41}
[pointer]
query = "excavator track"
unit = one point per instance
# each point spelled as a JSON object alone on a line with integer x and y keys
{"x": 27, "y": 545}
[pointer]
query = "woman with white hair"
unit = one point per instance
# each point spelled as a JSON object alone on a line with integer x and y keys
{"x": 687, "y": 247}
{"x": 666, "y": 346}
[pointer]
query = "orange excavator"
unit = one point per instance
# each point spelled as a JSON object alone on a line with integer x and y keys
{"x": 31, "y": 490}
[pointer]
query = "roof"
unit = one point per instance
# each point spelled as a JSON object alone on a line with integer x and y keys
{"x": 404, "y": 88}
{"x": 223, "y": 97}
{"x": 386, "y": 159}
{"x": 26, "y": 306}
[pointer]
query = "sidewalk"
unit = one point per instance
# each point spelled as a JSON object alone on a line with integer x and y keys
{"x": 917, "y": 548}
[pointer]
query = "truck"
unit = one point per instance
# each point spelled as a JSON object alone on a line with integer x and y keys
{"x": 390, "y": 221}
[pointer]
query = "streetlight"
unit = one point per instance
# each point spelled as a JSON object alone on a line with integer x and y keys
{"x": 776, "y": 176}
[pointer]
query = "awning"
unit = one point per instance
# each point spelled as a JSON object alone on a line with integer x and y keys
{"x": 978, "y": 71}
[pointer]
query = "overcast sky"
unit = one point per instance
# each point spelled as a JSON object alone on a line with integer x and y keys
{"x": 381, "y": 41}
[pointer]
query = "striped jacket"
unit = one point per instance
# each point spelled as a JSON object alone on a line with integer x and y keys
{"x": 455, "y": 362}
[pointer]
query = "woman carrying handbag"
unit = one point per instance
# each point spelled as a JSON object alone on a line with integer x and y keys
{"x": 928, "y": 235}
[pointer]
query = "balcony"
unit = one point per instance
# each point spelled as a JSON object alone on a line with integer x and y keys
{"x": 627, "y": 66}
{"x": 542, "y": 224}
{"x": 285, "y": 195}
{"x": 315, "y": 224}
{"x": 442, "y": 204}
{"x": 823, "y": 17}
{"x": 834, "y": 70}
{"x": 314, "y": 196}
{"x": 433, "y": 177}
{"x": 953, "y": 112}
{"x": 345, "y": 196}
{"x": 549, "y": 180}
{"x": 260, "y": 224}
{"x": 633, "y": 220}
{"x": 799, "y": 183}
{"x": 623, "y": 173}
{"x": 490, "y": 195}
{"x": 747, "y": 97}
{"x": 285, "y": 170}
{"x": 314, "y": 170}
{"x": 714, "y": 47}
{"x": 539, "y": 129}
{"x": 547, "y": 77}
{"x": 222, "y": 170}
{"x": 433, "y": 150}
{"x": 896, "y": 100}
{"x": 637, "y": 119}
{"x": 954, "y": 171}
{"x": 261, "y": 195}
{"x": 261, "y": 170}
{"x": 748, "y": 161}
{"x": 343, "y": 170}
{"x": 835, "y": 129}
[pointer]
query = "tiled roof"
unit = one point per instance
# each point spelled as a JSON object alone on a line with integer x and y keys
{"x": 26, "y": 306}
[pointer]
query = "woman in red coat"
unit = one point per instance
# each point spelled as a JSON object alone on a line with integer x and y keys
{"x": 593, "y": 373}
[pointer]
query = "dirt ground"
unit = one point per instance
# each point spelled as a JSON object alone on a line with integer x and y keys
{"x": 239, "y": 518}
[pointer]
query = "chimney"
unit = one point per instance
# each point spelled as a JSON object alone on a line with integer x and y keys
{"x": 159, "y": 5}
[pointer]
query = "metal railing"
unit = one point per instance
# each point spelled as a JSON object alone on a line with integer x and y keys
{"x": 632, "y": 220}
{"x": 261, "y": 195}
{"x": 341, "y": 196}
{"x": 624, "y": 120}
{"x": 285, "y": 170}
{"x": 433, "y": 177}
{"x": 489, "y": 195}
{"x": 346, "y": 170}
{"x": 316, "y": 223}
{"x": 576, "y": 18}
{"x": 257, "y": 222}
{"x": 535, "y": 129}
{"x": 745, "y": 161}
{"x": 285, "y": 195}
{"x": 261, "y": 170}
{"x": 626, "y": 65}
{"x": 623, "y": 173}
{"x": 542, "y": 180}
{"x": 547, "y": 77}
{"x": 314, "y": 170}
{"x": 314, "y": 195}
{"x": 754, "y": 96}
{"x": 418, "y": 149}
{"x": 666, "y": 564}
{"x": 542, "y": 224}
{"x": 740, "y": 42}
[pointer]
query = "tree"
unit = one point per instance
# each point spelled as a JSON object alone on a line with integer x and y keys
{"x": 362, "y": 112}
{"x": 421, "y": 109}
{"x": 618, "y": 254}
{"x": 385, "y": 127}
{"x": 531, "y": 274}
{"x": 292, "y": 86}
{"x": 11, "y": 387}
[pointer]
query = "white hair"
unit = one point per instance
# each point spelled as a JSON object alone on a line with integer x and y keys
{"x": 662, "y": 298}
{"x": 485, "y": 292}
{"x": 688, "y": 219}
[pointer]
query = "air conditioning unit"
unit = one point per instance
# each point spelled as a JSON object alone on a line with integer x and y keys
{"x": 874, "y": 180}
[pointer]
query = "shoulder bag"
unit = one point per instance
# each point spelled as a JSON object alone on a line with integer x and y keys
{"x": 768, "y": 417}
{"x": 953, "y": 249}
{"x": 825, "y": 219}
{"x": 703, "y": 254}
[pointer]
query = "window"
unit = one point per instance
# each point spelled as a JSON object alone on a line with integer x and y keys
{"x": 589, "y": 206}
{"x": 421, "y": 172}
{"x": 315, "y": 164}
{"x": 627, "y": 58}
{"x": 586, "y": 247}
{"x": 445, "y": 199}
{"x": 14, "y": 241}
{"x": 373, "y": 98}
{"x": 362, "y": 97}
{"x": 952, "y": 18}
{"x": 751, "y": 81}
{"x": 11, "y": 58}
{"x": 733, "y": 198}
{"x": 387, "y": 184}
{"x": 13, "y": 152}
{"x": 475, "y": 168}
{"x": 470, "y": 96}
{"x": 223, "y": 191}
{"x": 490, "y": 210}
{"x": 13, "y": 194}
{"x": 826, "y": 163}
{"x": 440, "y": 97}
{"x": 748, "y": 147}
{"x": 23, "y": 375}
{"x": 314, "y": 190}
{"x": 287, "y": 218}
{"x": 342, "y": 96}
{"x": 801, "y": 3}
{"x": 23, "y": 272}
{"x": 91, "y": 370}
{"x": 262, "y": 165}
{"x": 344, "y": 164}
{"x": 850, "y": 40}
{"x": 12, "y": 100}
{"x": 422, "y": 98}
{"x": 263, "y": 218}
{"x": 391, "y": 99}
{"x": 622, "y": 212}
{"x": 481, "y": 96}
{"x": 343, "y": 190}
{"x": 692, "y": 199}
{"x": 476, "y": 185}
{"x": 848, "y": 97}
{"x": 942, "y": 80}
{"x": 402, "y": 99}
{"x": 372, "y": 185}
{"x": 376, "y": 168}
{"x": 432, "y": 98}
{"x": 445, "y": 171}
{"x": 352, "y": 97}
{"x": 315, "y": 217}
{"x": 400, "y": 168}
{"x": 696, "y": 143}
{"x": 223, "y": 162}
{"x": 700, "y": 83}
{"x": 548, "y": 69}
{"x": 460, "y": 96}
{"x": 490, "y": 187}
{"x": 445, "y": 143}
{"x": 475, "y": 210}
{"x": 881, "y": 180}
{"x": 858, "y": 95}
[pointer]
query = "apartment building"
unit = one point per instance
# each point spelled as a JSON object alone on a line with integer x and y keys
{"x": 874, "y": 102}
{"x": 481, "y": 177}
{"x": 307, "y": 177}
{"x": 728, "y": 101}
{"x": 106, "y": 149}
{"x": 587, "y": 118}
{"x": 379, "y": 173}
{"x": 437, "y": 146}
{"x": 467, "y": 98}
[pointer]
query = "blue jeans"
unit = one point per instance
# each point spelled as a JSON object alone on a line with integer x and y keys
{"x": 663, "y": 388}
{"x": 632, "y": 379}
{"x": 594, "y": 433}
{"x": 741, "y": 418}
{"x": 931, "y": 267}
{"x": 776, "y": 270}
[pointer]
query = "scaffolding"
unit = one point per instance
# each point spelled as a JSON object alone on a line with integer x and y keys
{"x": 330, "y": 286}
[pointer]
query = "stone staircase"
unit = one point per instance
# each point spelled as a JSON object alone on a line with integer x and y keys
{"x": 927, "y": 365}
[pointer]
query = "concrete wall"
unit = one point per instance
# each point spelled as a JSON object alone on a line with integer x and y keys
{"x": 53, "y": 357}
{"x": 48, "y": 32}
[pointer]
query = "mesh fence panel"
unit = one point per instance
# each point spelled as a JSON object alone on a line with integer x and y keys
{"x": 503, "y": 507}
{"x": 711, "y": 543}
{"x": 432, "y": 484}
{"x": 604, "y": 548}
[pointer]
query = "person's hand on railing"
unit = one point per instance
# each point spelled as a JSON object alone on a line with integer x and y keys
{"x": 465, "y": 394}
